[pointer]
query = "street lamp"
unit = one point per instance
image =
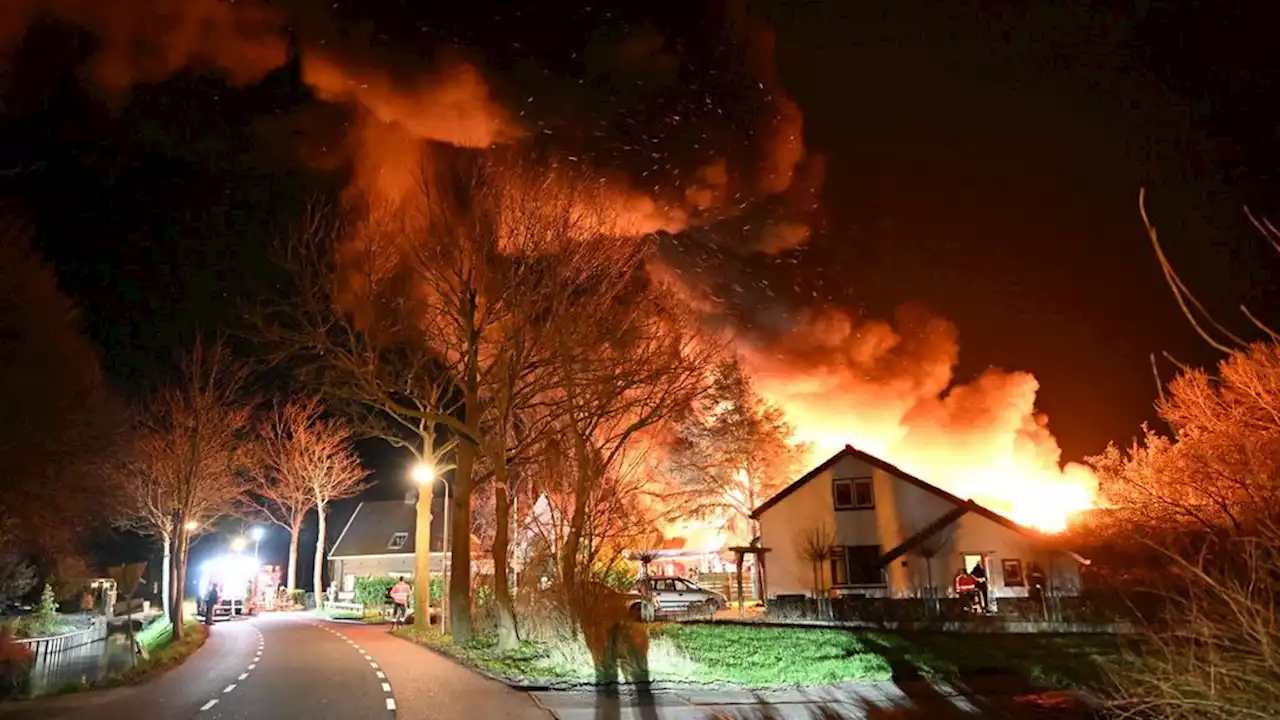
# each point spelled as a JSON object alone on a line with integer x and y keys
{"x": 424, "y": 474}
{"x": 238, "y": 543}
{"x": 192, "y": 526}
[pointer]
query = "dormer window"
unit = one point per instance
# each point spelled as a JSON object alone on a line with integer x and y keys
{"x": 398, "y": 540}
{"x": 853, "y": 494}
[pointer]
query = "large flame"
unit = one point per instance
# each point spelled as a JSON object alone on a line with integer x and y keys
{"x": 892, "y": 393}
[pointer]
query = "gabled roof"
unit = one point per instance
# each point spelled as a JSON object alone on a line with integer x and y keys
{"x": 371, "y": 527}
{"x": 962, "y": 506}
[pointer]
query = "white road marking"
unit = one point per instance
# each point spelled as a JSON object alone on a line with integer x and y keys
{"x": 229, "y": 688}
{"x": 391, "y": 703}
{"x": 209, "y": 704}
{"x": 380, "y": 675}
{"x": 253, "y": 665}
{"x": 386, "y": 687}
{"x": 243, "y": 676}
{"x": 373, "y": 665}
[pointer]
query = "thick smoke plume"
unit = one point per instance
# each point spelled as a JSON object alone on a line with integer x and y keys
{"x": 702, "y": 145}
{"x": 890, "y": 390}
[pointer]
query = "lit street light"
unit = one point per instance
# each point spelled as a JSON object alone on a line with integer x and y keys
{"x": 238, "y": 543}
{"x": 192, "y": 526}
{"x": 424, "y": 475}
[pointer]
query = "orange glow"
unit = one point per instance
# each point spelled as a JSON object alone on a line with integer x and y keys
{"x": 890, "y": 392}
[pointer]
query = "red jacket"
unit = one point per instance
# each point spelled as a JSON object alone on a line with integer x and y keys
{"x": 965, "y": 583}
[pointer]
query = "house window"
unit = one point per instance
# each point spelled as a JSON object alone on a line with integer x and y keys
{"x": 398, "y": 540}
{"x": 1012, "y": 571}
{"x": 970, "y": 561}
{"x": 856, "y": 565}
{"x": 348, "y": 583}
{"x": 853, "y": 494}
{"x": 839, "y": 567}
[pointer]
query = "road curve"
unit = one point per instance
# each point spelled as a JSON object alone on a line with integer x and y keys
{"x": 292, "y": 665}
{"x": 302, "y": 671}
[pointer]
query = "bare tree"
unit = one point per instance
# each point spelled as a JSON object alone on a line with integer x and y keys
{"x": 288, "y": 449}
{"x": 152, "y": 502}
{"x": 321, "y": 452}
{"x": 626, "y": 363}
{"x": 199, "y": 430}
{"x": 816, "y": 545}
{"x": 1219, "y": 470}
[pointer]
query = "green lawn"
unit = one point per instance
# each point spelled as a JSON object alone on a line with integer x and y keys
{"x": 759, "y": 656}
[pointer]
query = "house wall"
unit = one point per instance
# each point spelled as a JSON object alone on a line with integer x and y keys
{"x": 901, "y": 510}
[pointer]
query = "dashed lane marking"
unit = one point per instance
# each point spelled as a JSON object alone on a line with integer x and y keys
{"x": 386, "y": 686}
{"x": 209, "y": 704}
{"x": 228, "y": 688}
{"x": 243, "y": 676}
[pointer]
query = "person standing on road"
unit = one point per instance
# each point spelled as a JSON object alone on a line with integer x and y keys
{"x": 400, "y": 600}
{"x": 210, "y": 602}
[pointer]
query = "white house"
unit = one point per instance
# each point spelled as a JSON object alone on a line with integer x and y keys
{"x": 894, "y": 535}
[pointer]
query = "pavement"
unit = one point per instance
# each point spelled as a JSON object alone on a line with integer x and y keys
{"x": 287, "y": 665}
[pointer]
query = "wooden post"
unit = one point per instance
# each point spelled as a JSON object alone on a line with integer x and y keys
{"x": 738, "y": 556}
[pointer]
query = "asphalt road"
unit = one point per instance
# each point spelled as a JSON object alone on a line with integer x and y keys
{"x": 294, "y": 666}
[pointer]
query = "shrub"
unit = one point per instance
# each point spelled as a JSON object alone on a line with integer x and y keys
{"x": 372, "y": 591}
{"x": 1216, "y": 656}
{"x": 46, "y": 613}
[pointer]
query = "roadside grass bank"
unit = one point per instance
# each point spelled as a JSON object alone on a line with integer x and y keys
{"x": 771, "y": 657}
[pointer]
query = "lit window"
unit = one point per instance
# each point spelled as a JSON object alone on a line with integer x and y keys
{"x": 398, "y": 540}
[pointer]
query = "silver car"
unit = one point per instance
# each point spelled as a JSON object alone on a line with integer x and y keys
{"x": 674, "y": 596}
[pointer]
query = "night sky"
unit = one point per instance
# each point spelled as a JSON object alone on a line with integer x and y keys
{"x": 983, "y": 158}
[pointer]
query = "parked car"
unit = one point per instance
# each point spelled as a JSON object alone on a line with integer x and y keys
{"x": 675, "y": 595}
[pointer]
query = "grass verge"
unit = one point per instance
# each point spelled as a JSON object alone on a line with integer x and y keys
{"x": 764, "y": 657}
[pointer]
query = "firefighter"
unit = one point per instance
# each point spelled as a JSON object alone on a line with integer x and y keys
{"x": 965, "y": 587}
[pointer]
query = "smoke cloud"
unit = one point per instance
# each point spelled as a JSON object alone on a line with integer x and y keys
{"x": 890, "y": 390}
{"x": 697, "y": 141}
{"x": 142, "y": 41}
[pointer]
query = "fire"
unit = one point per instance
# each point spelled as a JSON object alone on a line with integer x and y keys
{"x": 892, "y": 393}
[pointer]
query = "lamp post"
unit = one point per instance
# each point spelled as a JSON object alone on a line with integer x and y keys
{"x": 425, "y": 476}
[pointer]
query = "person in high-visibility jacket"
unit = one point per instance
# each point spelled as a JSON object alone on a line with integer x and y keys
{"x": 966, "y": 588}
{"x": 400, "y": 599}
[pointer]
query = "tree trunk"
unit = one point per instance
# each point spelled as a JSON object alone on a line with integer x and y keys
{"x": 577, "y": 521}
{"x": 166, "y": 575}
{"x": 507, "y": 637}
{"x": 460, "y": 545}
{"x": 422, "y": 560}
{"x": 319, "y": 564}
{"x": 294, "y": 532}
{"x": 179, "y": 571}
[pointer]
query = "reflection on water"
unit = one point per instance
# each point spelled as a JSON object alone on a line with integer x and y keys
{"x": 84, "y": 664}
